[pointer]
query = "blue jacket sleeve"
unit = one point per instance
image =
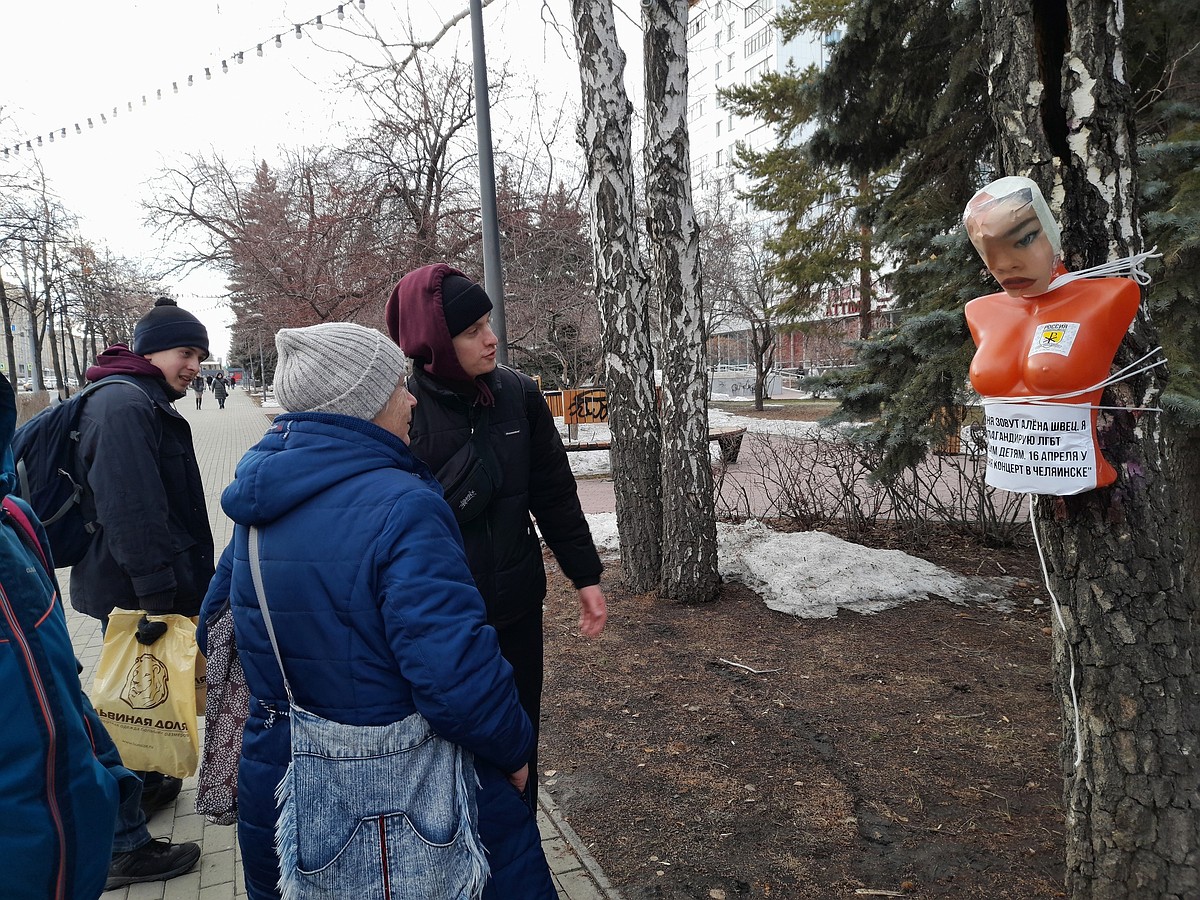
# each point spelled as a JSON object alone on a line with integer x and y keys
{"x": 217, "y": 596}
{"x": 436, "y": 627}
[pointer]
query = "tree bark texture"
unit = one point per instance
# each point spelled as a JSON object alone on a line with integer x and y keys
{"x": 1118, "y": 557}
{"x": 689, "y": 547}
{"x": 605, "y": 131}
{"x": 866, "y": 235}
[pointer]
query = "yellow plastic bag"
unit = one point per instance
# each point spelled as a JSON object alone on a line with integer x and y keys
{"x": 146, "y": 694}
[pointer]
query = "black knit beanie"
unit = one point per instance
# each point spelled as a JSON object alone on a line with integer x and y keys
{"x": 166, "y": 327}
{"x": 463, "y": 303}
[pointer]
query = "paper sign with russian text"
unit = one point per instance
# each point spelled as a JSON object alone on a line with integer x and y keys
{"x": 1040, "y": 449}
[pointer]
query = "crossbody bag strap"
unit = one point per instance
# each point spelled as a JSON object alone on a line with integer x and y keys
{"x": 256, "y": 575}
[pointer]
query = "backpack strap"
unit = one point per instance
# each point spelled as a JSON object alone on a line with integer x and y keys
{"x": 25, "y": 527}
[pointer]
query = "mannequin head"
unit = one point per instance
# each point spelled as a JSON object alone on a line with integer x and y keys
{"x": 1010, "y": 226}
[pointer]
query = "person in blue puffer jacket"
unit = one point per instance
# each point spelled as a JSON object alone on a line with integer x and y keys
{"x": 58, "y": 794}
{"x": 372, "y": 603}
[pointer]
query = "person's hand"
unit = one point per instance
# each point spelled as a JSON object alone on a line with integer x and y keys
{"x": 148, "y": 632}
{"x": 593, "y": 612}
{"x": 520, "y": 778}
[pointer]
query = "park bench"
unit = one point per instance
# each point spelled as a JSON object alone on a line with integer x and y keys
{"x": 729, "y": 440}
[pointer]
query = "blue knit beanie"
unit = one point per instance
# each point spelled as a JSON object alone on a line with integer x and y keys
{"x": 166, "y": 327}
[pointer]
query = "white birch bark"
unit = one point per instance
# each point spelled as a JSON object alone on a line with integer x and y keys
{"x": 689, "y": 543}
{"x": 605, "y": 131}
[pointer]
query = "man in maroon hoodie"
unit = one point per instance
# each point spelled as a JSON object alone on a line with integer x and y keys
{"x": 154, "y": 548}
{"x": 487, "y": 434}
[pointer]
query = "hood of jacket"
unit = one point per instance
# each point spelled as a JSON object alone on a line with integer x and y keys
{"x": 416, "y": 321}
{"x": 304, "y": 454}
{"x": 120, "y": 360}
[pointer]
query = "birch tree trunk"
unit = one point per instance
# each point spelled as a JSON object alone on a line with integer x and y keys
{"x": 605, "y": 131}
{"x": 689, "y": 544}
{"x": 1117, "y": 556}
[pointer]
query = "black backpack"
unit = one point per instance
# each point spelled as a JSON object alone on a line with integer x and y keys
{"x": 46, "y": 454}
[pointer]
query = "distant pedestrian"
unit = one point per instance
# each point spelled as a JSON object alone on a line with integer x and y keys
{"x": 220, "y": 389}
{"x": 198, "y": 388}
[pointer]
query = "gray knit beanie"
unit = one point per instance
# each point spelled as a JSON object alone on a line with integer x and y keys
{"x": 336, "y": 367}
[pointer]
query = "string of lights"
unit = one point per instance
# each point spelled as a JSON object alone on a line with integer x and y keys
{"x": 29, "y": 144}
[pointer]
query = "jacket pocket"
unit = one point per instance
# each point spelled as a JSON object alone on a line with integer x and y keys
{"x": 386, "y": 858}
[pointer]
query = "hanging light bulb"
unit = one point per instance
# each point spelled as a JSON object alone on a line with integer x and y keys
{"x": 278, "y": 40}
{"x": 129, "y": 106}
{"x": 91, "y": 124}
{"x": 239, "y": 58}
{"x": 299, "y": 33}
{"x": 52, "y": 137}
{"x": 39, "y": 140}
{"x": 191, "y": 83}
{"x": 158, "y": 92}
{"x": 362, "y": 4}
{"x": 103, "y": 120}
{"x": 78, "y": 130}
{"x": 260, "y": 49}
{"x": 175, "y": 87}
{"x": 341, "y": 12}
{"x": 207, "y": 74}
{"x": 224, "y": 67}
{"x": 114, "y": 112}
{"x": 64, "y": 133}
{"x": 320, "y": 24}
{"x": 143, "y": 99}
{"x": 29, "y": 145}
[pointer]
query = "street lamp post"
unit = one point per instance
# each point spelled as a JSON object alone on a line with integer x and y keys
{"x": 258, "y": 321}
{"x": 262, "y": 366}
{"x": 493, "y": 275}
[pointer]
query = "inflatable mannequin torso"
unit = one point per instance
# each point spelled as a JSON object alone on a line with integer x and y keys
{"x": 1040, "y": 345}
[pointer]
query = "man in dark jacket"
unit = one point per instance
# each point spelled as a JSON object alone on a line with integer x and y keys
{"x": 154, "y": 548}
{"x": 439, "y": 318}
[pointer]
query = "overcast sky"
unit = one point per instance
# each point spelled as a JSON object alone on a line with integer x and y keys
{"x": 66, "y": 61}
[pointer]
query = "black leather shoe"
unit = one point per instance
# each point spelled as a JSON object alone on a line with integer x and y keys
{"x": 155, "y": 861}
{"x": 163, "y": 795}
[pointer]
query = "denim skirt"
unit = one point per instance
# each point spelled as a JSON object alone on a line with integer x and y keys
{"x": 378, "y": 813}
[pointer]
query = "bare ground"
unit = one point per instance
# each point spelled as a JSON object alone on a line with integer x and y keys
{"x": 909, "y": 753}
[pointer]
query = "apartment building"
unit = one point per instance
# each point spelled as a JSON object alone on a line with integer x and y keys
{"x": 735, "y": 42}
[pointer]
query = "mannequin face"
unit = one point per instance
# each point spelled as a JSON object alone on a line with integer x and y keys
{"x": 1013, "y": 244}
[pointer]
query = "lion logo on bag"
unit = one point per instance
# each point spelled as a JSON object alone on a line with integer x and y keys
{"x": 146, "y": 684}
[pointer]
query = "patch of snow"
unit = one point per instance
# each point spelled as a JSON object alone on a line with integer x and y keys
{"x": 812, "y": 574}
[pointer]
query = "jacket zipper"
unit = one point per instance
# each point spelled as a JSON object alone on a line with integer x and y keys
{"x": 383, "y": 859}
{"x": 44, "y": 703}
